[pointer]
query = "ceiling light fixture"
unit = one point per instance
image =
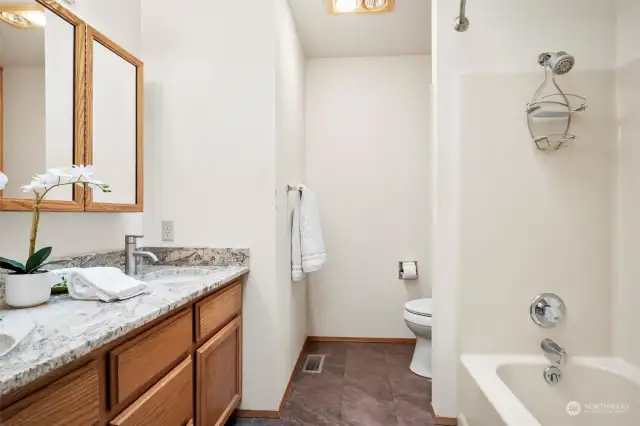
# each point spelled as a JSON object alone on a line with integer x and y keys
{"x": 23, "y": 15}
{"x": 346, "y": 6}
{"x": 373, "y": 4}
{"x": 360, "y": 6}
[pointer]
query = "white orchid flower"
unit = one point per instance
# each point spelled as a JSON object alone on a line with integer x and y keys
{"x": 53, "y": 178}
{"x": 3, "y": 180}
{"x": 82, "y": 173}
{"x": 35, "y": 185}
{"x": 65, "y": 176}
{"x": 58, "y": 179}
{"x": 60, "y": 171}
{"x": 40, "y": 182}
{"x": 48, "y": 179}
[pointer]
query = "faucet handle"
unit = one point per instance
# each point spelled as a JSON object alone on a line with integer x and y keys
{"x": 131, "y": 239}
{"x": 547, "y": 310}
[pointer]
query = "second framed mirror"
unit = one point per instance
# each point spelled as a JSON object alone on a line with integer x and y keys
{"x": 114, "y": 124}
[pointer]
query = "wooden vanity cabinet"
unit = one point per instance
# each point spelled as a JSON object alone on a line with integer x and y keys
{"x": 184, "y": 368}
{"x": 219, "y": 375}
{"x": 73, "y": 400}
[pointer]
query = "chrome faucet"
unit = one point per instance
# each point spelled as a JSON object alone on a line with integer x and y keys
{"x": 131, "y": 254}
{"x": 553, "y": 352}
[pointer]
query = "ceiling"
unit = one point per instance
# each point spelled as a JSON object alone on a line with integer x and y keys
{"x": 404, "y": 31}
{"x": 21, "y": 47}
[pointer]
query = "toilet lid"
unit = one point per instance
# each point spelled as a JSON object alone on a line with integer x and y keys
{"x": 423, "y": 307}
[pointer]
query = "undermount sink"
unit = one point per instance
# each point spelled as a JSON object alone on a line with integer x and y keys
{"x": 175, "y": 276}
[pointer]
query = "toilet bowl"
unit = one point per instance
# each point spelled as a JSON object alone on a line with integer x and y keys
{"x": 417, "y": 316}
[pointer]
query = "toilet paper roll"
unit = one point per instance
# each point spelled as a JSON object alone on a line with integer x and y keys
{"x": 409, "y": 271}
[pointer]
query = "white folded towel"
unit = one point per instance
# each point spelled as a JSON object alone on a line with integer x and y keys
{"x": 106, "y": 284}
{"x": 307, "y": 243}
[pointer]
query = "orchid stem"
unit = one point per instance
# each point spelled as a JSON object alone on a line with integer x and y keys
{"x": 36, "y": 215}
{"x": 34, "y": 226}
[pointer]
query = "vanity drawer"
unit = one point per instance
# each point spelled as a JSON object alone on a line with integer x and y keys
{"x": 216, "y": 311}
{"x": 73, "y": 400}
{"x": 135, "y": 363}
{"x": 169, "y": 402}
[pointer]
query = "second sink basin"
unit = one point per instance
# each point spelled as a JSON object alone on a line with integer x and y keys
{"x": 176, "y": 276}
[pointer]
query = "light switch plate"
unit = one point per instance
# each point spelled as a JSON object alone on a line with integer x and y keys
{"x": 167, "y": 230}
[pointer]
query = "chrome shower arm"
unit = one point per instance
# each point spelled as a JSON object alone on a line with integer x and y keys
{"x": 463, "y": 8}
{"x": 462, "y": 23}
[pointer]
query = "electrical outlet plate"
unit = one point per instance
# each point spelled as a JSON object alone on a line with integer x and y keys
{"x": 167, "y": 230}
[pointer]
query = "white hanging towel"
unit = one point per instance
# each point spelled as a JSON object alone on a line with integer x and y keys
{"x": 307, "y": 244}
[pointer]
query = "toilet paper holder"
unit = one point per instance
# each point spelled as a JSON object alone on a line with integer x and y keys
{"x": 401, "y": 270}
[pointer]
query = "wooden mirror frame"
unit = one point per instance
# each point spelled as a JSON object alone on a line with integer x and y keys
{"x": 77, "y": 204}
{"x": 90, "y": 205}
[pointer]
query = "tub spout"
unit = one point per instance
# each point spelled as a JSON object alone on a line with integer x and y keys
{"x": 554, "y": 352}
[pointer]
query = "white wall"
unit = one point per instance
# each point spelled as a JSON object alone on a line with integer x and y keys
{"x": 214, "y": 80}
{"x": 290, "y": 169}
{"x": 626, "y": 293}
{"x": 485, "y": 161}
{"x": 117, "y": 19}
{"x": 76, "y": 233}
{"x": 367, "y": 127}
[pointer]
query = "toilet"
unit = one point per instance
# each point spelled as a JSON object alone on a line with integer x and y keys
{"x": 417, "y": 316}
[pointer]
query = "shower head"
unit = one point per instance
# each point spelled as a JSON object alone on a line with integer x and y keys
{"x": 559, "y": 62}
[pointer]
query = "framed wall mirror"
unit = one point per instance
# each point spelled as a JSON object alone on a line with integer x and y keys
{"x": 114, "y": 124}
{"x": 42, "y": 99}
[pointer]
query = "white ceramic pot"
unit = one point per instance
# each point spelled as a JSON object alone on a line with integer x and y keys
{"x": 23, "y": 291}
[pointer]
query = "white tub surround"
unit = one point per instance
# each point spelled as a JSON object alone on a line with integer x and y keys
{"x": 593, "y": 391}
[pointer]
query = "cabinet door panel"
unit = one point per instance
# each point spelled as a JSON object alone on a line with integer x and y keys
{"x": 219, "y": 375}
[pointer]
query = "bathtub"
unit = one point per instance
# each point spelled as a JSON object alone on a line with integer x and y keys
{"x": 511, "y": 390}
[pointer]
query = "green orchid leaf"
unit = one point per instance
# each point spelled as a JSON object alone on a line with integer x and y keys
{"x": 12, "y": 265}
{"x": 37, "y": 259}
{"x": 60, "y": 289}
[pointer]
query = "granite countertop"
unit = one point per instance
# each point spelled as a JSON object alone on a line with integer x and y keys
{"x": 67, "y": 329}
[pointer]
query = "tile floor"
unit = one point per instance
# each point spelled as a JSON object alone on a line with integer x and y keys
{"x": 361, "y": 384}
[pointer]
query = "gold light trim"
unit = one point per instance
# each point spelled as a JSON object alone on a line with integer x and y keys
{"x": 22, "y": 15}
{"x": 360, "y": 6}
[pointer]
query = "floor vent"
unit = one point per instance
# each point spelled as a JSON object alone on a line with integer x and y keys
{"x": 313, "y": 364}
